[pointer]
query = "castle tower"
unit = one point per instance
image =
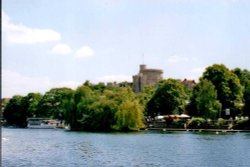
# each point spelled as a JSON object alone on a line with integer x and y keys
{"x": 146, "y": 77}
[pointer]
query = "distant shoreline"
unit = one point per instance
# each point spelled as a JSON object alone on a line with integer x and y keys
{"x": 195, "y": 130}
{"x": 157, "y": 129}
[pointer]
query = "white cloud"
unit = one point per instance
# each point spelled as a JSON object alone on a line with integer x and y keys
{"x": 61, "y": 49}
{"x": 177, "y": 59}
{"x": 19, "y": 33}
{"x": 14, "y": 83}
{"x": 114, "y": 78}
{"x": 84, "y": 51}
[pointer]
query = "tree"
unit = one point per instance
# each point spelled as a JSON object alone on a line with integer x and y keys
{"x": 83, "y": 97}
{"x": 205, "y": 100}
{"x": 100, "y": 86}
{"x": 97, "y": 110}
{"x": 69, "y": 112}
{"x": 100, "y": 116}
{"x": 244, "y": 77}
{"x": 129, "y": 113}
{"x": 32, "y": 100}
{"x": 15, "y": 112}
{"x": 169, "y": 98}
{"x": 145, "y": 95}
{"x": 246, "y": 109}
{"x": 51, "y": 105}
{"x": 227, "y": 84}
{"x": 129, "y": 116}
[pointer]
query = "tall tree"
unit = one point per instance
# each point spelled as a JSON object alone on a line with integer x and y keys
{"x": 84, "y": 96}
{"x": 51, "y": 105}
{"x": 227, "y": 85}
{"x": 205, "y": 100}
{"x": 244, "y": 76}
{"x": 32, "y": 100}
{"x": 146, "y": 94}
{"x": 246, "y": 109}
{"x": 15, "y": 112}
{"x": 97, "y": 110}
{"x": 129, "y": 116}
{"x": 169, "y": 98}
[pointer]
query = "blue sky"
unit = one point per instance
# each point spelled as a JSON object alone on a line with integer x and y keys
{"x": 55, "y": 43}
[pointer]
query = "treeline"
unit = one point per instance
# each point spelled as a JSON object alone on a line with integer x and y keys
{"x": 104, "y": 108}
{"x": 89, "y": 107}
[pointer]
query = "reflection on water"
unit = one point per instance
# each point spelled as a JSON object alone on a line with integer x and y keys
{"x": 40, "y": 147}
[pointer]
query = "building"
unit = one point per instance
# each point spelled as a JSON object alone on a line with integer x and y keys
{"x": 146, "y": 77}
{"x": 189, "y": 83}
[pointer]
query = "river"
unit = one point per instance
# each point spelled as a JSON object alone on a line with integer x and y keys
{"x": 61, "y": 148}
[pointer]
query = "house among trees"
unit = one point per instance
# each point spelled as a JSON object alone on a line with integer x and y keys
{"x": 189, "y": 83}
{"x": 146, "y": 77}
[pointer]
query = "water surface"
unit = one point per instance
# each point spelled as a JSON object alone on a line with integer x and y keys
{"x": 60, "y": 148}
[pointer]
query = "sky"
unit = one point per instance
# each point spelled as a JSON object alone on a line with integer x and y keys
{"x": 63, "y": 43}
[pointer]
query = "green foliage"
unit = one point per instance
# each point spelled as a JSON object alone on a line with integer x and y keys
{"x": 177, "y": 124}
{"x": 100, "y": 116}
{"x": 15, "y": 112}
{"x": 242, "y": 124}
{"x": 100, "y": 87}
{"x": 129, "y": 116}
{"x": 32, "y": 101}
{"x": 169, "y": 98}
{"x": 69, "y": 112}
{"x": 188, "y": 91}
{"x": 80, "y": 102}
{"x": 196, "y": 123}
{"x": 145, "y": 95}
{"x": 243, "y": 75}
{"x": 51, "y": 105}
{"x": 246, "y": 109}
{"x": 221, "y": 122}
{"x": 205, "y": 100}
{"x": 116, "y": 107}
{"x": 226, "y": 83}
{"x": 103, "y": 109}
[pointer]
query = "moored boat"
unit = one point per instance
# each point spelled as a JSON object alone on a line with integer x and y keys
{"x": 41, "y": 123}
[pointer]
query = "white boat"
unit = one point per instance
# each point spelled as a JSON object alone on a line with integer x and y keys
{"x": 41, "y": 123}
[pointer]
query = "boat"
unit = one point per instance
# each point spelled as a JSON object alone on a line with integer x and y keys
{"x": 41, "y": 123}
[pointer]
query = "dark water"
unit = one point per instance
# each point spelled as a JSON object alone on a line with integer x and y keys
{"x": 59, "y": 148}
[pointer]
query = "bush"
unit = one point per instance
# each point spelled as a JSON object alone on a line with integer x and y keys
{"x": 177, "y": 124}
{"x": 243, "y": 124}
{"x": 221, "y": 122}
{"x": 197, "y": 123}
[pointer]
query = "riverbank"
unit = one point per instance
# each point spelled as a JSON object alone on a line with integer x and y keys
{"x": 200, "y": 124}
{"x": 196, "y": 130}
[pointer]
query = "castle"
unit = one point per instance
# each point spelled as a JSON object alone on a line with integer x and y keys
{"x": 146, "y": 77}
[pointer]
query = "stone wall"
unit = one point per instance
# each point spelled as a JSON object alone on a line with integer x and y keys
{"x": 146, "y": 77}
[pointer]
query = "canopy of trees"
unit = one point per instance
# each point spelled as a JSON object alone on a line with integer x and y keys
{"x": 169, "y": 98}
{"x": 108, "y": 109}
{"x": 89, "y": 107}
{"x": 204, "y": 101}
{"x": 227, "y": 85}
{"x": 244, "y": 77}
{"x": 100, "y": 107}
